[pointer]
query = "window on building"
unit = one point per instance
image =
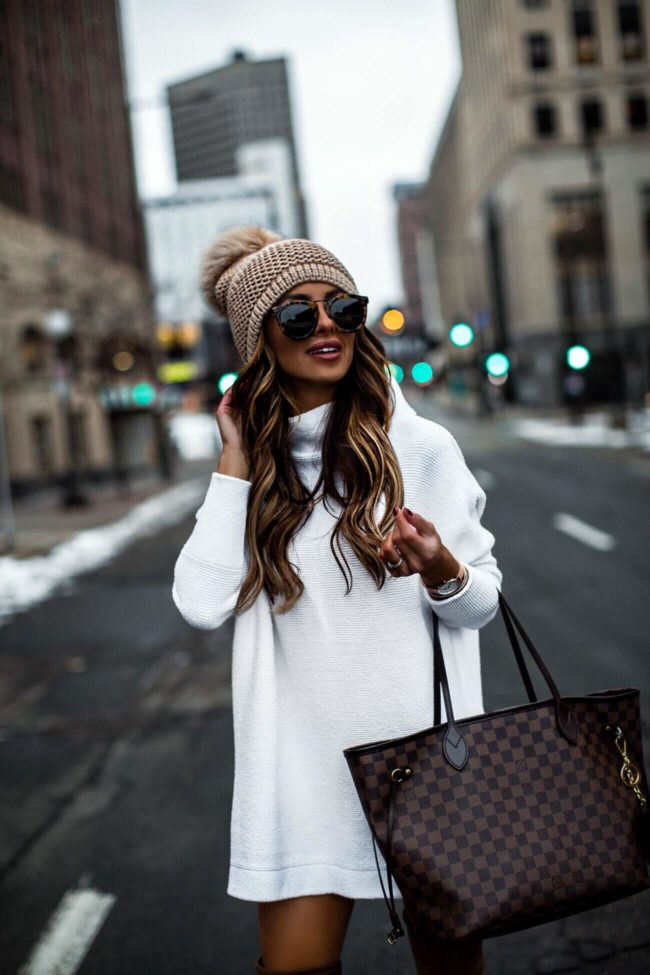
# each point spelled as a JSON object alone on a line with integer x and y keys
{"x": 33, "y": 16}
{"x": 581, "y": 265}
{"x": 8, "y": 115}
{"x": 584, "y": 31}
{"x": 645, "y": 227}
{"x": 12, "y": 192}
{"x": 544, "y": 120}
{"x": 86, "y": 225}
{"x": 51, "y": 209}
{"x": 79, "y": 438}
{"x": 631, "y": 30}
{"x": 42, "y": 447}
{"x": 114, "y": 241}
{"x": 637, "y": 112}
{"x": 591, "y": 116}
{"x": 538, "y": 51}
{"x": 33, "y": 348}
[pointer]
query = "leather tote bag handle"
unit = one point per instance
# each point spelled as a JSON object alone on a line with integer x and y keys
{"x": 454, "y": 745}
{"x": 521, "y": 663}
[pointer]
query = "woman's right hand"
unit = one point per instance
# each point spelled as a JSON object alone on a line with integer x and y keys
{"x": 228, "y": 422}
{"x": 233, "y": 458}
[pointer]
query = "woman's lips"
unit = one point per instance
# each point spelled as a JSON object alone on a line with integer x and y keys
{"x": 326, "y": 355}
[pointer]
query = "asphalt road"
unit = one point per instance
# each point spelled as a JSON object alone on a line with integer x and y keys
{"x": 116, "y": 742}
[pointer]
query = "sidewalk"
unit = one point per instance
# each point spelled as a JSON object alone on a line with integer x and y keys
{"x": 41, "y": 521}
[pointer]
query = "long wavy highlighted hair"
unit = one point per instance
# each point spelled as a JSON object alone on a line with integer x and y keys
{"x": 356, "y": 448}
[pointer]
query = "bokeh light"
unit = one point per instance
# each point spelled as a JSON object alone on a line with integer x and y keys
{"x": 123, "y": 361}
{"x": 497, "y": 364}
{"x": 393, "y": 320}
{"x": 143, "y": 394}
{"x": 165, "y": 333}
{"x": 225, "y": 381}
{"x": 461, "y": 334}
{"x": 422, "y": 373}
{"x": 578, "y": 356}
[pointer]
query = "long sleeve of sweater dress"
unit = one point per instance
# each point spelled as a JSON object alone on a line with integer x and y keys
{"x": 211, "y": 565}
{"x": 471, "y": 543}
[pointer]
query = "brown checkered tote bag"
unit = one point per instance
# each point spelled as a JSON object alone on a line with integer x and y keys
{"x": 506, "y": 820}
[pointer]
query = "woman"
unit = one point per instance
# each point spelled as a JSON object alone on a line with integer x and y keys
{"x": 304, "y": 537}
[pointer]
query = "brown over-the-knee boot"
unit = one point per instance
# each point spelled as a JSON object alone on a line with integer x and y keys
{"x": 335, "y": 969}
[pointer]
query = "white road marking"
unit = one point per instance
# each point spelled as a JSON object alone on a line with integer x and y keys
{"x": 484, "y": 478}
{"x": 583, "y": 532}
{"x": 69, "y": 933}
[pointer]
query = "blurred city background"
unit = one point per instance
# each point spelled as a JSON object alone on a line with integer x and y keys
{"x": 483, "y": 169}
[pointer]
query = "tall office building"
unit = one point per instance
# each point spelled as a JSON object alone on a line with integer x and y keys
{"x": 212, "y": 114}
{"x": 538, "y": 197}
{"x": 410, "y": 239}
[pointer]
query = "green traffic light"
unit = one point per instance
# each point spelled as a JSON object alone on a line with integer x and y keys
{"x": 143, "y": 394}
{"x": 225, "y": 381}
{"x": 461, "y": 334}
{"x": 497, "y": 364}
{"x": 422, "y": 372}
{"x": 578, "y": 356}
{"x": 396, "y": 371}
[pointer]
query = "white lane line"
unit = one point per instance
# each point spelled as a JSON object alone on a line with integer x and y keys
{"x": 69, "y": 933}
{"x": 484, "y": 478}
{"x": 583, "y": 532}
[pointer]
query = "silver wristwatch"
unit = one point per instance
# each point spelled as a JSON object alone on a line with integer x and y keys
{"x": 449, "y": 586}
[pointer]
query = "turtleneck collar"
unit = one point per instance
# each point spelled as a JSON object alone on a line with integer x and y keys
{"x": 307, "y": 429}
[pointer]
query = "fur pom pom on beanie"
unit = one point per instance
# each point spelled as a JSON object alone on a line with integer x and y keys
{"x": 247, "y": 270}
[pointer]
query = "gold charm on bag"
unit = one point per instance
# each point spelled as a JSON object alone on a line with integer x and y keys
{"x": 630, "y": 773}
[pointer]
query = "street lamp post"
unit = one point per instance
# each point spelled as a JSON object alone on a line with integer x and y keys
{"x": 59, "y": 327}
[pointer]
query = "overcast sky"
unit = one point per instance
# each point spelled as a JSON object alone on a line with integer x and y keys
{"x": 371, "y": 81}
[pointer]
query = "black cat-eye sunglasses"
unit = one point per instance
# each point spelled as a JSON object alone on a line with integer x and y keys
{"x": 298, "y": 317}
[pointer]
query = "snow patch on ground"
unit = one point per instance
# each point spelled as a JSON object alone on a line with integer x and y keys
{"x": 24, "y": 582}
{"x": 594, "y": 431}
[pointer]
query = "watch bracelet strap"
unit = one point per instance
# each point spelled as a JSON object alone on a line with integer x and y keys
{"x": 438, "y": 596}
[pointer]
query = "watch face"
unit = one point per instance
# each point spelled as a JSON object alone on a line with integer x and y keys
{"x": 447, "y": 588}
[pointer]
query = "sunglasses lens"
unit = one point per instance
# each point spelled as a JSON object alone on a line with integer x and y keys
{"x": 348, "y": 311}
{"x": 296, "y": 318}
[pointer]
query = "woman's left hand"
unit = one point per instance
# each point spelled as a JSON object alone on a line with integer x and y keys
{"x": 423, "y": 551}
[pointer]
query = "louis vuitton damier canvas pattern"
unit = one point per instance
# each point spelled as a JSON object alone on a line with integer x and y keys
{"x": 528, "y": 830}
{"x": 532, "y": 828}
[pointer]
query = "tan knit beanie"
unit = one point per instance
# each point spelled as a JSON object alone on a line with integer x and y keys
{"x": 247, "y": 270}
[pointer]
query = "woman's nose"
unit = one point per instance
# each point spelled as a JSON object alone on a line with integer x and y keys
{"x": 324, "y": 320}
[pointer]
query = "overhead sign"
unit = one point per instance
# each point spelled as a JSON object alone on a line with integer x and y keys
{"x": 180, "y": 371}
{"x": 404, "y": 345}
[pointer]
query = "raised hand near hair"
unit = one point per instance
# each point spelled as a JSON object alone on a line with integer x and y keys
{"x": 233, "y": 460}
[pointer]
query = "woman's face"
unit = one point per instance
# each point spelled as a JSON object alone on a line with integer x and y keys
{"x": 314, "y": 377}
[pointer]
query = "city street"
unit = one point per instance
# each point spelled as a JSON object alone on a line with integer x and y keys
{"x": 116, "y": 738}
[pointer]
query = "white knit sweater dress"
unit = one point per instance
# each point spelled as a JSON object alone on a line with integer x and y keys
{"x": 336, "y": 670}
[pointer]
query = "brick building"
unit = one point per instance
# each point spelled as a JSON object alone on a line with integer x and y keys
{"x": 72, "y": 242}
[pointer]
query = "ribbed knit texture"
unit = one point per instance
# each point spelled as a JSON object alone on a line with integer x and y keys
{"x": 336, "y": 670}
{"x": 247, "y": 290}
